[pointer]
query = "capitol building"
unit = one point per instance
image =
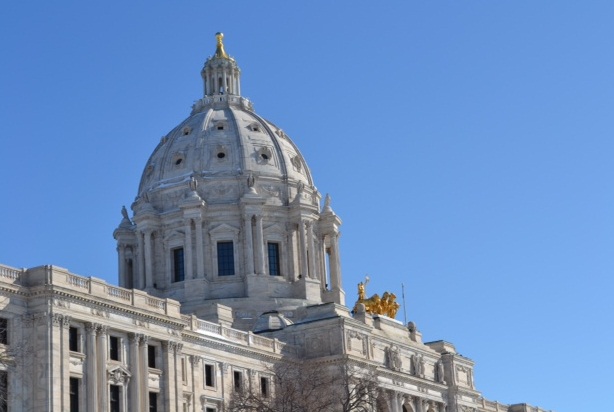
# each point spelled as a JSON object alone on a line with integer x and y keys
{"x": 230, "y": 294}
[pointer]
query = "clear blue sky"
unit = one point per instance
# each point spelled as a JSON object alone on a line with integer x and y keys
{"x": 467, "y": 146}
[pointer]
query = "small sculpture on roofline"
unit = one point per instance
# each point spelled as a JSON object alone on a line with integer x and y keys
{"x": 376, "y": 305}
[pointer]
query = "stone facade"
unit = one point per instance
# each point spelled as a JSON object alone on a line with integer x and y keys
{"x": 228, "y": 267}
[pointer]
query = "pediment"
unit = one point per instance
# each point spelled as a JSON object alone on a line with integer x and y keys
{"x": 174, "y": 235}
{"x": 118, "y": 375}
{"x": 224, "y": 228}
{"x": 275, "y": 228}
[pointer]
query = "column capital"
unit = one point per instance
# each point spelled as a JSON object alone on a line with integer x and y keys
{"x": 92, "y": 328}
{"x": 56, "y": 318}
{"x": 66, "y": 322}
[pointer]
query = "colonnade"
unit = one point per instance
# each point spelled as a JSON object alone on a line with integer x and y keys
{"x": 316, "y": 248}
{"x": 223, "y": 80}
{"x": 135, "y": 386}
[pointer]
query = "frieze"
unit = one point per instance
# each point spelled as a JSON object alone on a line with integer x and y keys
{"x": 174, "y": 332}
{"x": 61, "y": 303}
{"x": 141, "y": 323}
{"x": 100, "y": 312}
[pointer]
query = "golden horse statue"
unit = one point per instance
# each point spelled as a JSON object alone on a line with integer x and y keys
{"x": 376, "y": 305}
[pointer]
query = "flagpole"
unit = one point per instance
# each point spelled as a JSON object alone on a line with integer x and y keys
{"x": 404, "y": 310}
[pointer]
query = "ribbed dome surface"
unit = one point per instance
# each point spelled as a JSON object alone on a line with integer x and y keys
{"x": 223, "y": 138}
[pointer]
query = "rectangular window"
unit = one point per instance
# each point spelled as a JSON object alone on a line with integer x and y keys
{"x": 151, "y": 356}
{"x": 114, "y": 348}
{"x": 210, "y": 410}
{"x": 209, "y": 375}
{"x": 73, "y": 339}
{"x": 225, "y": 259}
{"x": 153, "y": 402}
{"x": 184, "y": 370}
{"x": 273, "y": 249}
{"x": 74, "y": 394}
{"x": 264, "y": 387}
{"x": 178, "y": 265}
{"x": 4, "y": 390}
{"x": 4, "y": 331}
{"x": 115, "y": 398}
{"x": 238, "y": 381}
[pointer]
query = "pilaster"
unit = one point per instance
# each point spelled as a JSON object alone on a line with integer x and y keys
{"x": 102, "y": 384}
{"x": 91, "y": 363}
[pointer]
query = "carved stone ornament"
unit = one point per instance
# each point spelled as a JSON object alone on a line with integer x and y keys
{"x": 393, "y": 358}
{"x": 119, "y": 375}
{"x": 61, "y": 303}
{"x": 101, "y": 313}
{"x": 418, "y": 365}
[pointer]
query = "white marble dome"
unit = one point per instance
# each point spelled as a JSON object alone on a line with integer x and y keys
{"x": 223, "y": 139}
{"x": 227, "y": 213}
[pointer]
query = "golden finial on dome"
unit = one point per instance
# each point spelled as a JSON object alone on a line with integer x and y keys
{"x": 220, "y": 52}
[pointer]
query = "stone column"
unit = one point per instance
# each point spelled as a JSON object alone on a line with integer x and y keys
{"x": 259, "y": 247}
{"x": 197, "y": 383}
{"x": 169, "y": 376}
{"x": 289, "y": 253}
{"x": 140, "y": 284}
{"x": 91, "y": 362}
{"x": 52, "y": 353}
{"x": 148, "y": 260}
{"x": 144, "y": 369}
{"x": 103, "y": 387}
{"x": 121, "y": 252}
{"x": 303, "y": 249}
{"x": 65, "y": 357}
{"x": 334, "y": 262}
{"x": 312, "y": 251}
{"x": 200, "y": 257}
{"x": 178, "y": 377}
{"x": 209, "y": 250}
{"x": 189, "y": 272}
{"x": 134, "y": 393}
{"x": 248, "y": 249}
{"x": 394, "y": 401}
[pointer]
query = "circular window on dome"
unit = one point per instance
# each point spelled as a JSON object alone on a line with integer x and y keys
{"x": 178, "y": 160}
{"x": 186, "y": 130}
{"x": 264, "y": 155}
{"x": 221, "y": 153}
{"x": 254, "y": 127}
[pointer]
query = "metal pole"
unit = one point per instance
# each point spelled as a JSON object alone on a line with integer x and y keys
{"x": 404, "y": 310}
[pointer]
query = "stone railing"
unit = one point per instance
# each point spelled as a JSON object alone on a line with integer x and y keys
{"x": 230, "y": 99}
{"x": 10, "y": 275}
{"x": 493, "y": 406}
{"x": 98, "y": 289}
{"x": 241, "y": 337}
